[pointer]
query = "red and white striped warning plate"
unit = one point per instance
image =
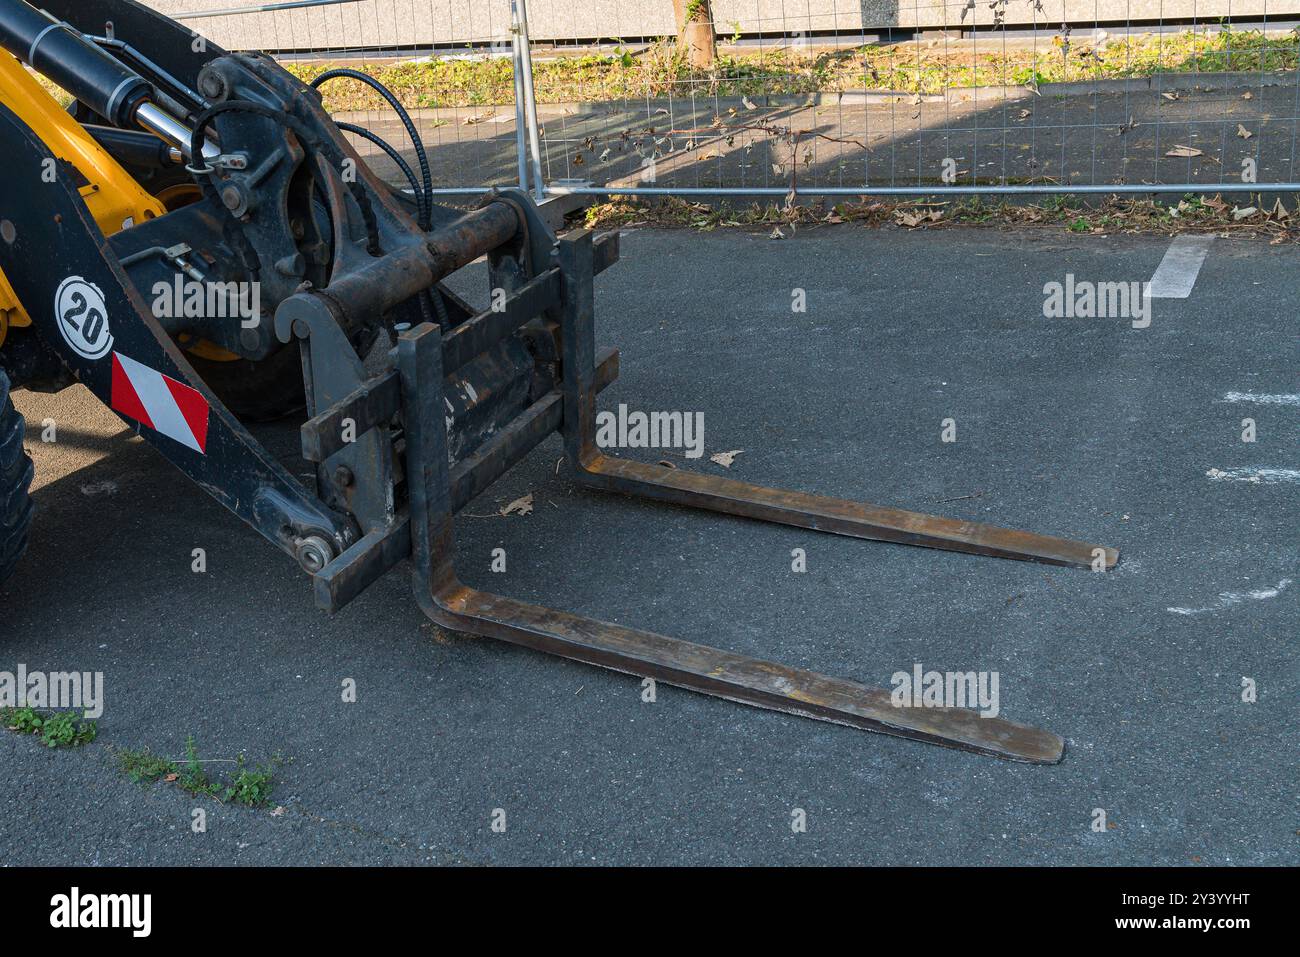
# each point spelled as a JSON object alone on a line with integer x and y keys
{"x": 160, "y": 402}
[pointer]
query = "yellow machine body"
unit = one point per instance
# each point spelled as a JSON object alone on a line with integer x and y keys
{"x": 113, "y": 197}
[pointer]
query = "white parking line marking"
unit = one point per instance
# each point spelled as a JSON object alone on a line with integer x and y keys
{"x": 1258, "y": 476}
{"x": 1227, "y": 598}
{"x": 1177, "y": 272}
{"x": 1282, "y": 399}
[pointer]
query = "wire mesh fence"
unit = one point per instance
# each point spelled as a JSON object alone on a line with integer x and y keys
{"x": 970, "y": 95}
{"x": 449, "y": 63}
{"x": 819, "y": 96}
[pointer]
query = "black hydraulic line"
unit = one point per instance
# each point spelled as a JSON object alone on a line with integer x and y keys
{"x": 426, "y": 198}
{"x": 331, "y": 151}
{"x": 423, "y": 205}
{"x": 157, "y": 74}
{"x": 388, "y": 148}
{"x": 405, "y": 167}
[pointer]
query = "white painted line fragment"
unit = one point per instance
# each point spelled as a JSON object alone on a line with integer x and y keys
{"x": 1177, "y": 272}
{"x": 1257, "y": 476}
{"x": 1229, "y": 598}
{"x": 1279, "y": 399}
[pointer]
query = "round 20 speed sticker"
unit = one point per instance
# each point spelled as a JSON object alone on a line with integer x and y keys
{"x": 83, "y": 318}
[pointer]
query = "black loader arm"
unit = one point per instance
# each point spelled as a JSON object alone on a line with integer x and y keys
{"x": 87, "y": 311}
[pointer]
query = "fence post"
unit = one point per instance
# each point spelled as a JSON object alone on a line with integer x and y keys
{"x": 530, "y": 101}
{"x": 521, "y": 120}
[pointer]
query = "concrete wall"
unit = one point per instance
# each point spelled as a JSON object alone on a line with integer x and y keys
{"x": 387, "y": 23}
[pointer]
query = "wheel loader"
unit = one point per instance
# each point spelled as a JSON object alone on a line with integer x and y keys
{"x": 179, "y": 165}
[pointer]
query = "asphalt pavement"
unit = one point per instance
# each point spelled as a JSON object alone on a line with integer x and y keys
{"x": 1078, "y": 427}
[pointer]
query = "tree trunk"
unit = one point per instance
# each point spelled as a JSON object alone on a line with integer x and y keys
{"x": 695, "y": 32}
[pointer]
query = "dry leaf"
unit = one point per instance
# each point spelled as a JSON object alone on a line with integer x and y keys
{"x": 748, "y": 104}
{"x": 279, "y": 811}
{"x": 1279, "y": 212}
{"x": 776, "y": 233}
{"x": 1170, "y": 95}
{"x": 666, "y": 464}
{"x": 725, "y": 458}
{"x": 1184, "y": 152}
{"x": 1248, "y": 95}
{"x": 170, "y": 777}
{"x": 520, "y": 506}
{"x": 1244, "y": 133}
{"x": 909, "y": 219}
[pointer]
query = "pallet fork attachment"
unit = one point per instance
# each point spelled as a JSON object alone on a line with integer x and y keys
{"x": 764, "y": 684}
{"x": 461, "y": 398}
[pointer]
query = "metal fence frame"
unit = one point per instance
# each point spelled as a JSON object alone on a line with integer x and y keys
{"x": 529, "y": 154}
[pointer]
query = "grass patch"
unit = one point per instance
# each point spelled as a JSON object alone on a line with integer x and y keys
{"x": 922, "y": 67}
{"x": 56, "y": 729}
{"x": 249, "y": 785}
{"x": 143, "y": 766}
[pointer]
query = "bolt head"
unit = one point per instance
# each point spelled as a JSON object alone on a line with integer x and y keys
{"x": 313, "y": 553}
{"x": 212, "y": 85}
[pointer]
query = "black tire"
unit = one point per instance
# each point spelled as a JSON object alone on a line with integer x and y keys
{"x": 15, "y": 482}
{"x": 256, "y": 391}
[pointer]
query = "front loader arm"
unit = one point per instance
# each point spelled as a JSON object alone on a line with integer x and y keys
{"x": 86, "y": 310}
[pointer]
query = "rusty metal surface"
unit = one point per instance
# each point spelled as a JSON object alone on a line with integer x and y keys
{"x": 433, "y": 498}
{"x": 680, "y": 487}
{"x": 854, "y": 519}
{"x": 465, "y": 341}
{"x": 443, "y": 474}
{"x": 723, "y": 674}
